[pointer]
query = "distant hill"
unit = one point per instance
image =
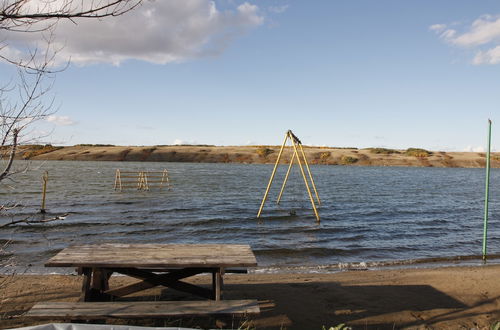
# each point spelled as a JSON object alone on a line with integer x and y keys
{"x": 260, "y": 155}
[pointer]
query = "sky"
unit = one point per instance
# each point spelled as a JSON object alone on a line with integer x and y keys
{"x": 340, "y": 73}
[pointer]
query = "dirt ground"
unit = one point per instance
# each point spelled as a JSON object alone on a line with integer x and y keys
{"x": 439, "y": 298}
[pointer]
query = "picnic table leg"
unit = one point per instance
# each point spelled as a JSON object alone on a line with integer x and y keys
{"x": 99, "y": 284}
{"x": 105, "y": 279}
{"x": 214, "y": 279}
{"x": 218, "y": 283}
{"x": 87, "y": 276}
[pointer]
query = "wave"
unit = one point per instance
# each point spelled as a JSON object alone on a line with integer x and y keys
{"x": 375, "y": 265}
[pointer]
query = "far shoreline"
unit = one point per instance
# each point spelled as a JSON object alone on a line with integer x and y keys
{"x": 412, "y": 157}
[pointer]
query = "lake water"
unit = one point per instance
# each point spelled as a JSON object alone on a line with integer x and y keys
{"x": 369, "y": 215}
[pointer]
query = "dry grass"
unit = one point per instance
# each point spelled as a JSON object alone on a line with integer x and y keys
{"x": 417, "y": 152}
{"x": 264, "y": 151}
{"x": 383, "y": 151}
{"x": 348, "y": 160}
{"x": 31, "y": 151}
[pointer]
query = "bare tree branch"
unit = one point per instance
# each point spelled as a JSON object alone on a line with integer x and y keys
{"x": 12, "y": 154}
{"x": 17, "y": 113}
{"x": 34, "y": 221}
{"x": 26, "y": 100}
{"x": 28, "y": 16}
{"x": 22, "y": 15}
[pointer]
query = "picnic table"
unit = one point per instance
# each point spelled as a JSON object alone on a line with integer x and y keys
{"x": 153, "y": 265}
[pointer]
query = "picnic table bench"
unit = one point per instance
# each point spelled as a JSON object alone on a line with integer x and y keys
{"x": 154, "y": 265}
{"x": 141, "y": 309}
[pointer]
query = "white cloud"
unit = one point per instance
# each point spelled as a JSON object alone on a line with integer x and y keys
{"x": 437, "y": 27}
{"x": 482, "y": 36}
{"x": 278, "y": 9}
{"x": 157, "y": 32}
{"x": 248, "y": 15}
{"x": 183, "y": 142}
{"x": 491, "y": 56}
{"x": 448, "y": 34}
{"x": 484, "y": 30}
{"x": 60, "y": 120}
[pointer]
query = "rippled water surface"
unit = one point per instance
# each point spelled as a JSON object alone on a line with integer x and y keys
{"x": 368, "y": 214}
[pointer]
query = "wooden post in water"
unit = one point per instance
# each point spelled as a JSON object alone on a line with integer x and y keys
{"x": 45, "y": 179}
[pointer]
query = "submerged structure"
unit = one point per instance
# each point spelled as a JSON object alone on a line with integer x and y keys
{"x": 141, "y": 180}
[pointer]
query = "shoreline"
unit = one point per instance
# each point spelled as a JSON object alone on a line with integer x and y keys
{"x": 446, "y": 297}
{"x": 411, "y": 157}
{"x": 400, "y": 264}
{"x": 422, "y": 263}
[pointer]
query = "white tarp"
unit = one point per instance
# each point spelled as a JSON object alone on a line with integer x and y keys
{"x": 81, "y": 326}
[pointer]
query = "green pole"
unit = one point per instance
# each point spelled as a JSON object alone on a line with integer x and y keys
{"x": 487, "y": 193}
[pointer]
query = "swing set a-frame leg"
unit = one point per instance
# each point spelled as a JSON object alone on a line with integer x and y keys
{"x": 272, "y": 176}
{"x": 310, "y": 174}
{"x": 286, "y": 179}
{"x": 305, "y": 180}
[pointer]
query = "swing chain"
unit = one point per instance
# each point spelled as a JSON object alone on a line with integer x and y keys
{"x": 294, "y": 137}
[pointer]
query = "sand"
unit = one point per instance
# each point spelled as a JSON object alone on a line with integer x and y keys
{"x": 439, "y": 298}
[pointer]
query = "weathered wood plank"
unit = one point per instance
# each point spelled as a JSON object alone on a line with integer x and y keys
{"x": 131, "y": 310}
{"x": 129, "y": 289}
{"x": 176, "y": 285}
{"x": 171, "y": 280}
{"x": 205, "y": 270}
{"x": 155, "y": 256}
{"x": 151, "y": 280}
{"x": 176, "y": 274}
{"x": 190, "y": 288}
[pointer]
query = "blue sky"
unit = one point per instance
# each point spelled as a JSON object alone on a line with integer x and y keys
{"x": 352, "y": 73}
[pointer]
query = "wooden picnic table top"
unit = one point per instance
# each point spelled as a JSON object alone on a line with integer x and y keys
{"x": 152, "y": 256}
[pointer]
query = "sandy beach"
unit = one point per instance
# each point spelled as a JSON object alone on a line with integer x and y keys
{"x": 438, "y": 298}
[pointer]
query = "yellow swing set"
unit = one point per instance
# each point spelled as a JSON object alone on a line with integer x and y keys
{"x": 296, "y": 144}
